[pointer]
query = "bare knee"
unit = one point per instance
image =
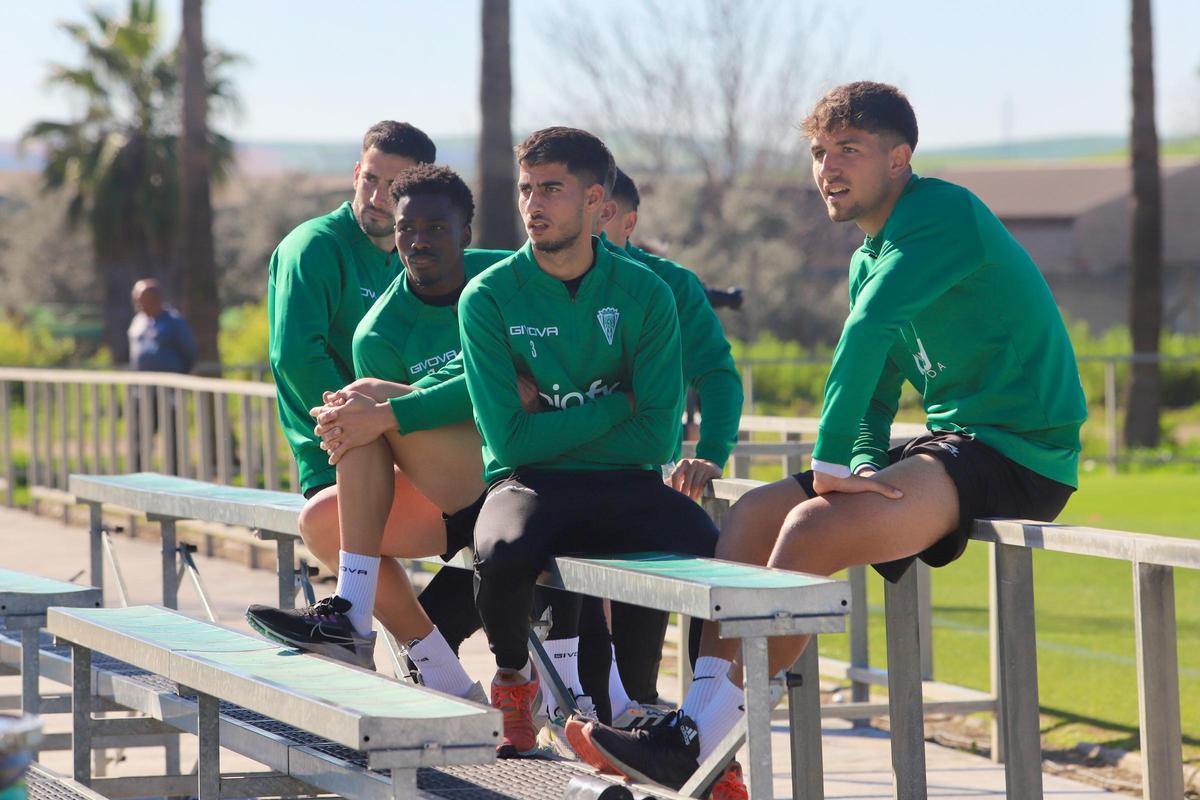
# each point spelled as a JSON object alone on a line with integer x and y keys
{"x": 808, "y": 542}
{"x": 751, "y": 527}
{"x": 318, "y": 524}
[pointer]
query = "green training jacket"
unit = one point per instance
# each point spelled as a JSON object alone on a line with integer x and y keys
{"x": 707, "y": 360}
{"x": 946, "y": 298}
{"x": 324, "y": 276}
{"x": 618, "y": 334}
{"x": 406, "y": 340}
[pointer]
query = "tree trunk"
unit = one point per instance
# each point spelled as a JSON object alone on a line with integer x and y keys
{"x": 497, "y": 218}
{"x": 1146, "y": 281}
{"x": 199, "y": 302}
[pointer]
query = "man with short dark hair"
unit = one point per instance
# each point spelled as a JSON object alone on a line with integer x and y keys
{"x": 323, "y": 277}
{"x": 572, "y": 360}
{"x": 942, "y": 296}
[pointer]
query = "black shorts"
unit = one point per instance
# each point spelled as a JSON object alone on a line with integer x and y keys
{"x": 460, "y": 527}
{"x": 988, "y": 485}
{"x": 320, "y": 487}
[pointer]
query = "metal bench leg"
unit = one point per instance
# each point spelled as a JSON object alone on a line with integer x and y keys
{"x": 804, "y": 718}
{"x": 285, "y": 570}
{"x": 758, "y": 717}
{"x": 904, "y": 688}
{"x": 81, "y": 714}
{"x": 30, "y": 695}
{"x": 95, "y": 546}
{"x": 170, "y": 580}
{"x": 1018, "y": 671}
{"x": 208, "y": 764}
{"x": 404, "y": 784}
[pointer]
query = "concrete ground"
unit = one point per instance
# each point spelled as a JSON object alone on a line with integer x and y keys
{"x": 857, "y": 761}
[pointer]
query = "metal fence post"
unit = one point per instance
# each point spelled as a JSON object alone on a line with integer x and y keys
{"x": 1018, "y": 671}
{"x": 1110, "y": 413}
{"x": 1158, "y": 680}
{"x": 9, "y": 473}
{"x": 905, "y": 707}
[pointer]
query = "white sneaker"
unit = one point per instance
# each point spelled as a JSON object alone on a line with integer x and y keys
{"x": 638, "y": 715}
{"x": 552, "y": 736}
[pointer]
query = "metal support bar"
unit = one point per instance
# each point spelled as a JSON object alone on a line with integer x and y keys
{"x": 208, "y": 762}
{"x": 758, "y": 717}
{"x": 1018, "y": 671}
{"x": 81, "y": 714}
{"x": 860, "y": 649}
{"x": 305, "y": 580}
{"x": 925, "y": 618}
{"x": 804, "y": 722}
{"x": 10, "y": 473}
{"x": 904, "y": 687}
{"x": 404, "y": 784}
{"x": 270, "y": 446}
{"x": 170, "y": 579}
{"x": 563, "y": 696}
{"x": 110, "y": 555}
{"x": 145, "y": 434}
{"x": 998, "y": 754}
{"x": 1158, "y": 681}
{"x": 188, "y": 565}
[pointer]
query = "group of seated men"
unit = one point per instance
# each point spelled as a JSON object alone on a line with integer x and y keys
{"x": 524, "y": 404}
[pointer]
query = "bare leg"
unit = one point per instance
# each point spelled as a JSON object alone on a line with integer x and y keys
{"x": 824, "y": 534}
{"x": 382, "y": 512}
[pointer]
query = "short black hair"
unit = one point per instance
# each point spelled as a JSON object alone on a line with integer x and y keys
{"x": 583, "y": 154}
{"x": 435, "y": 180}
{"x": 400, "y": 139}
{"x": 625, "y": 191}
{"x": 873, "y": 107}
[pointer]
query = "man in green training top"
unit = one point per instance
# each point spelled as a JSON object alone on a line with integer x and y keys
{"x": 419, "y": 424}
{"x": 324, "y": 276}
{"x": 572, "y": 361}
{"x": 942, "y": 296}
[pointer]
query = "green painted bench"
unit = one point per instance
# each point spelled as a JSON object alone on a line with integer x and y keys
{"x": 24, "y": 600}
{"x": 750, "y": 603}
{"x": 399, "y": 726}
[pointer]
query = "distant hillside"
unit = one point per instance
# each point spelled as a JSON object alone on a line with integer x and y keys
{"x": 337, "y": 158}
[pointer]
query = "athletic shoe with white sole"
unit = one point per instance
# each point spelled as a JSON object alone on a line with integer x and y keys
{"x": 667, "y": 753}
{"x": 320, "y": 628}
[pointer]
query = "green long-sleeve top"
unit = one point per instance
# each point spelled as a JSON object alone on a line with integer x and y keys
{"x": 406, "y": 340}
{"x": 618, "y": 334}
{"x": 323, "y": 277}
{"x": 707, "y": 359}
{"x": 946, "y": 298}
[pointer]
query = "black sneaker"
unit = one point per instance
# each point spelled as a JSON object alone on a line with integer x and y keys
{"x": 321, "y": 628}
{"x": 667, "y": 753}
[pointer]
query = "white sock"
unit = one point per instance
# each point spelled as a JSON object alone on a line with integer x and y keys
{"x": 618, "y": 698}
{"x": 440, "y": 669}
{"x": 357, "y": 575}
{"x": 564, "y": 655}
{"x": 713, "y": 702}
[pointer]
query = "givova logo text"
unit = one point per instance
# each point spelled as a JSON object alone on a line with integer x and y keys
{"x": 432, "y": 363}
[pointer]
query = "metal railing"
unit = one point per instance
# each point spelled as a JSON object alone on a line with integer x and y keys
{"x": 1016, "y": 730}
{"x": 110, "y": 422}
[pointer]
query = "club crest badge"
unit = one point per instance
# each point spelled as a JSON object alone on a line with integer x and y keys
{"x": 608, "y": 322}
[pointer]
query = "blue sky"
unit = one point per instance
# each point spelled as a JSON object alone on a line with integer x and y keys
{"x": 976, "y": 70}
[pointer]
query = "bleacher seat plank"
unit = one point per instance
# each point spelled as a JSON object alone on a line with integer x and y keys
{"x": 24, "y": 594}
{"x": 353, "y": 707}
{"x": 706, "y": 588}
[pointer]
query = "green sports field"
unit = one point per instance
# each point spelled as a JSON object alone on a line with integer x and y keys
{"x": 1087, "y": 671}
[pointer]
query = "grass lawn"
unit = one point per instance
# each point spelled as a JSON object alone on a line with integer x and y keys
{"x": 1087, "y": 672}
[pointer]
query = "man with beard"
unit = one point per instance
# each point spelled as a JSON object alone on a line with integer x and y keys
{"x": 323, "y": 277}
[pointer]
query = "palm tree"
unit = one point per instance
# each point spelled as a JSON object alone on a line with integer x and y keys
{"x": 119, "y": 158}
{"x": 1146, "y": 280}
{"x": 497, "y": 226}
